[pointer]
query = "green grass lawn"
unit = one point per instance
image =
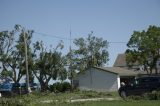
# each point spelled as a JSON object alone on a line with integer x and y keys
{"x": 62, "y": 99}
{"x": 38, "y": 98}
{"x": 109, "y": 103}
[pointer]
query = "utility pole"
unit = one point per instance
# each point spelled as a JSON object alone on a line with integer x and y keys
{"x": 26, "y": 63}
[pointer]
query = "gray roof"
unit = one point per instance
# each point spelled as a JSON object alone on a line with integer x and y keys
{"x": 120, "y": 61}
{"x": 118, "y": 70}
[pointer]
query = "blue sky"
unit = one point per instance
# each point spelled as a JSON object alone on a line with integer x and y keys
{"x": 114, "y": 20}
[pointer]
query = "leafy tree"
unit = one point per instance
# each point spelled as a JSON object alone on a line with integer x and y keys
{"x": 144, "y": 48}
{"x": 6, "y": 46}
{"x": 12, "y": 52}
{"x": 91, "y": 51}
{"x": 48, "y": 64}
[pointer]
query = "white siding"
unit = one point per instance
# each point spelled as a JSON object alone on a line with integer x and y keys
{"x": 98, "y": 80}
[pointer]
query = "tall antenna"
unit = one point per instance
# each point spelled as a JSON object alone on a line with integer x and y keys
{"x": 70, "y": 38}
{"x": 71, "y": 71}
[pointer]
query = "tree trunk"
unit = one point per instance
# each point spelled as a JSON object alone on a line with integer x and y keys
{"x": 44, "y": 86}
{"x": 156, "y": 71}
{"x": 150, "y": 71}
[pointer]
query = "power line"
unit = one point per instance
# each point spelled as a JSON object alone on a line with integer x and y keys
{"x": 43, "y": 34}
{"x": 118, "y": 42}
{"x": 63, "y": 38}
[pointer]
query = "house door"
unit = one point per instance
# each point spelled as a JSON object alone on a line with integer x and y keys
{"x": 127, "y": 80}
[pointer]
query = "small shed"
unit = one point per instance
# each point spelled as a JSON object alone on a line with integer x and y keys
{"x": 103, "y": 79}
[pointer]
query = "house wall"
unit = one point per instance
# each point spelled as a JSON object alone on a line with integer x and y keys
{"x": 94, "y": 79}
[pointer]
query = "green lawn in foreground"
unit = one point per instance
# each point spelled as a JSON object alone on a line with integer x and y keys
{"x": 110, "y": 103}
{"x": 62, "y": 99}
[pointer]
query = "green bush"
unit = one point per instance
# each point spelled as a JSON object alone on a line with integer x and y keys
{"x": 60, "y": 87}
{"x": 66, "y": 86}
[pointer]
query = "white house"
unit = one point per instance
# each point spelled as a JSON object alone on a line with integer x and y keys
{"x": 103, "y": 79}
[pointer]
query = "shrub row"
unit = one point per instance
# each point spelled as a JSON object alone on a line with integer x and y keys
{"x": 60, "y": 87}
